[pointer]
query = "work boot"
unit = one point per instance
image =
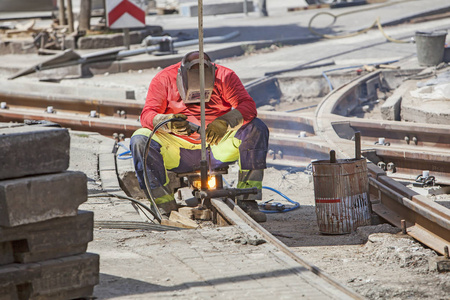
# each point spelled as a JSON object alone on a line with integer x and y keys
{"x": 251, "y": 208}
{"x": 166, "y": 207}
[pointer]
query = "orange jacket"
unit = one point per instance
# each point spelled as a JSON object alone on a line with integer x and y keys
{"x": 229, "y": 92}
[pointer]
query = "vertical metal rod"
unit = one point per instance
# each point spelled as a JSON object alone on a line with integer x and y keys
{"x": 203, "y": 163}
{"x": 403, "y": 224}
{"x": 446, "y": 252}
{"x": 70, "y": 15}
{"x": 126, "y": 38}
{"x": 332, "y": 156}
{"x": 62, "y": 15}
{"x": 357, "y": 145}
{"x": 85, "y": 15}
{"x": 245, "y": 7}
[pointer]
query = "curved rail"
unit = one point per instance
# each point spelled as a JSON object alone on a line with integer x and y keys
{"x": 424, "y": 220}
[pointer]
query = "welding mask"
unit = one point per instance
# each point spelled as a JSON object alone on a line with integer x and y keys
{"x": 188, "y": 80}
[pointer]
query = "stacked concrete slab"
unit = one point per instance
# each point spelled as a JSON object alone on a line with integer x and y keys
{"x": 43, "y": 235}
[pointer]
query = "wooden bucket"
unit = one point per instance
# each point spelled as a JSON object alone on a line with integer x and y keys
{"x": 341, "y": 192}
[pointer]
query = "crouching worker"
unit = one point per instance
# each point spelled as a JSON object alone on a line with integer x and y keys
{"x": 233, "y": 132}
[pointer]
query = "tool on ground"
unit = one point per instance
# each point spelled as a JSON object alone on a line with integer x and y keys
{"x": 269, "y": 205}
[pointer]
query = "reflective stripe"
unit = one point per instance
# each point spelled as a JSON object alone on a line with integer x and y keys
{"x": 226, "y": 151}
{"x": 164, "y": 199}
{"x": 142, "y": 131}
{"x": 251, "y": 175}
{"x": 249, "y": 184}
{"x": 250, "y": 179}
{"x": 171, "y": 145}
{"x": 228, "y": 148}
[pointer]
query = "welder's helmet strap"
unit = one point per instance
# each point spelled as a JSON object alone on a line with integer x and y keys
{"x": 188, "y": 81}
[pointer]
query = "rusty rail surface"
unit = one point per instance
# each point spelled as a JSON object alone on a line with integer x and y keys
{"x": 425, "y": 220}
{"x": 296, "y": 139}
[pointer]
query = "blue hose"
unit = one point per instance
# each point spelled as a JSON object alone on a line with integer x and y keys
{"x": 126, "y": 154}
{"x": 296, "y": 204}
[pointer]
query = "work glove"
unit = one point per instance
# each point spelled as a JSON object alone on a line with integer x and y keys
{"x": 180, "y": 126}
{"x": 215, "y": 131}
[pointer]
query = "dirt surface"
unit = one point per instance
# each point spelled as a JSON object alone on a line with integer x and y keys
{"x": 376, "y": 261}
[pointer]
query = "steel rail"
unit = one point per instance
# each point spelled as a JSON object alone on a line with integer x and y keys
{"x": 236, "y": 216}
{"x": 427, "y": 222}
{"x": 333, "y": 130}
{"x": 104, "y": 126}
{"x": 71, "y": 103}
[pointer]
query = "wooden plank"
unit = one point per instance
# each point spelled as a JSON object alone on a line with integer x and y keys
{"x": 178, "y": 220}
{"x": 202, "y": 214}
{"x": 186, "y": 212}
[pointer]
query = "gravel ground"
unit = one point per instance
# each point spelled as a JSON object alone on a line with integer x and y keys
{"x": 376, "y": 261}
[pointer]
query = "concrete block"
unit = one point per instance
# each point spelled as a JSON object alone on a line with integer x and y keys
{"x": 265, "y": 90}
{"x": 100, "y": 41}
{"x": 6, "y": 253}
{"x": 75, "y": 71}
{"x": 8, "y": 292}
{"x": 39, "y": 198}
{"x": 439, "y": 264}
{"x": 51, "y": 239}
{"x": 210, "y": 9}
{"x": 64, "y": 278}
{"x": 110, "y": 182}
{"x": 106, "y": 162}
{"x": 65, "y": 91}
{"x": 31, "y": 150}
{"x": 390, "y": 110}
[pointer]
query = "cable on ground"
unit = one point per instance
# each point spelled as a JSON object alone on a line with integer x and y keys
{"x": 296, "y": 204}
{"x": 139, "y": 204}
{"x": 364, "y": 30}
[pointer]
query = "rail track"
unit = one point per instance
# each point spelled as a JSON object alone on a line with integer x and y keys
{"x": 296, "y": 139}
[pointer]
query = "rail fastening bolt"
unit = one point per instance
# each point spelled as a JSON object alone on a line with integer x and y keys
{"x": 403, "y": 224}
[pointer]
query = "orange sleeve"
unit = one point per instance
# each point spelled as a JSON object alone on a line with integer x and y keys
{"x": 156, "y": 100}
{"x": 238, "y": 97}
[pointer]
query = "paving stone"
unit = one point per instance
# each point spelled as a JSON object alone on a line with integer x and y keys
{"x": 64, "y": 278}
{"x": 46, "y": 240}
{"x": 33, "y": 150}
{"x": 106, "y": 162}
{"x": 39, "y": 198}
